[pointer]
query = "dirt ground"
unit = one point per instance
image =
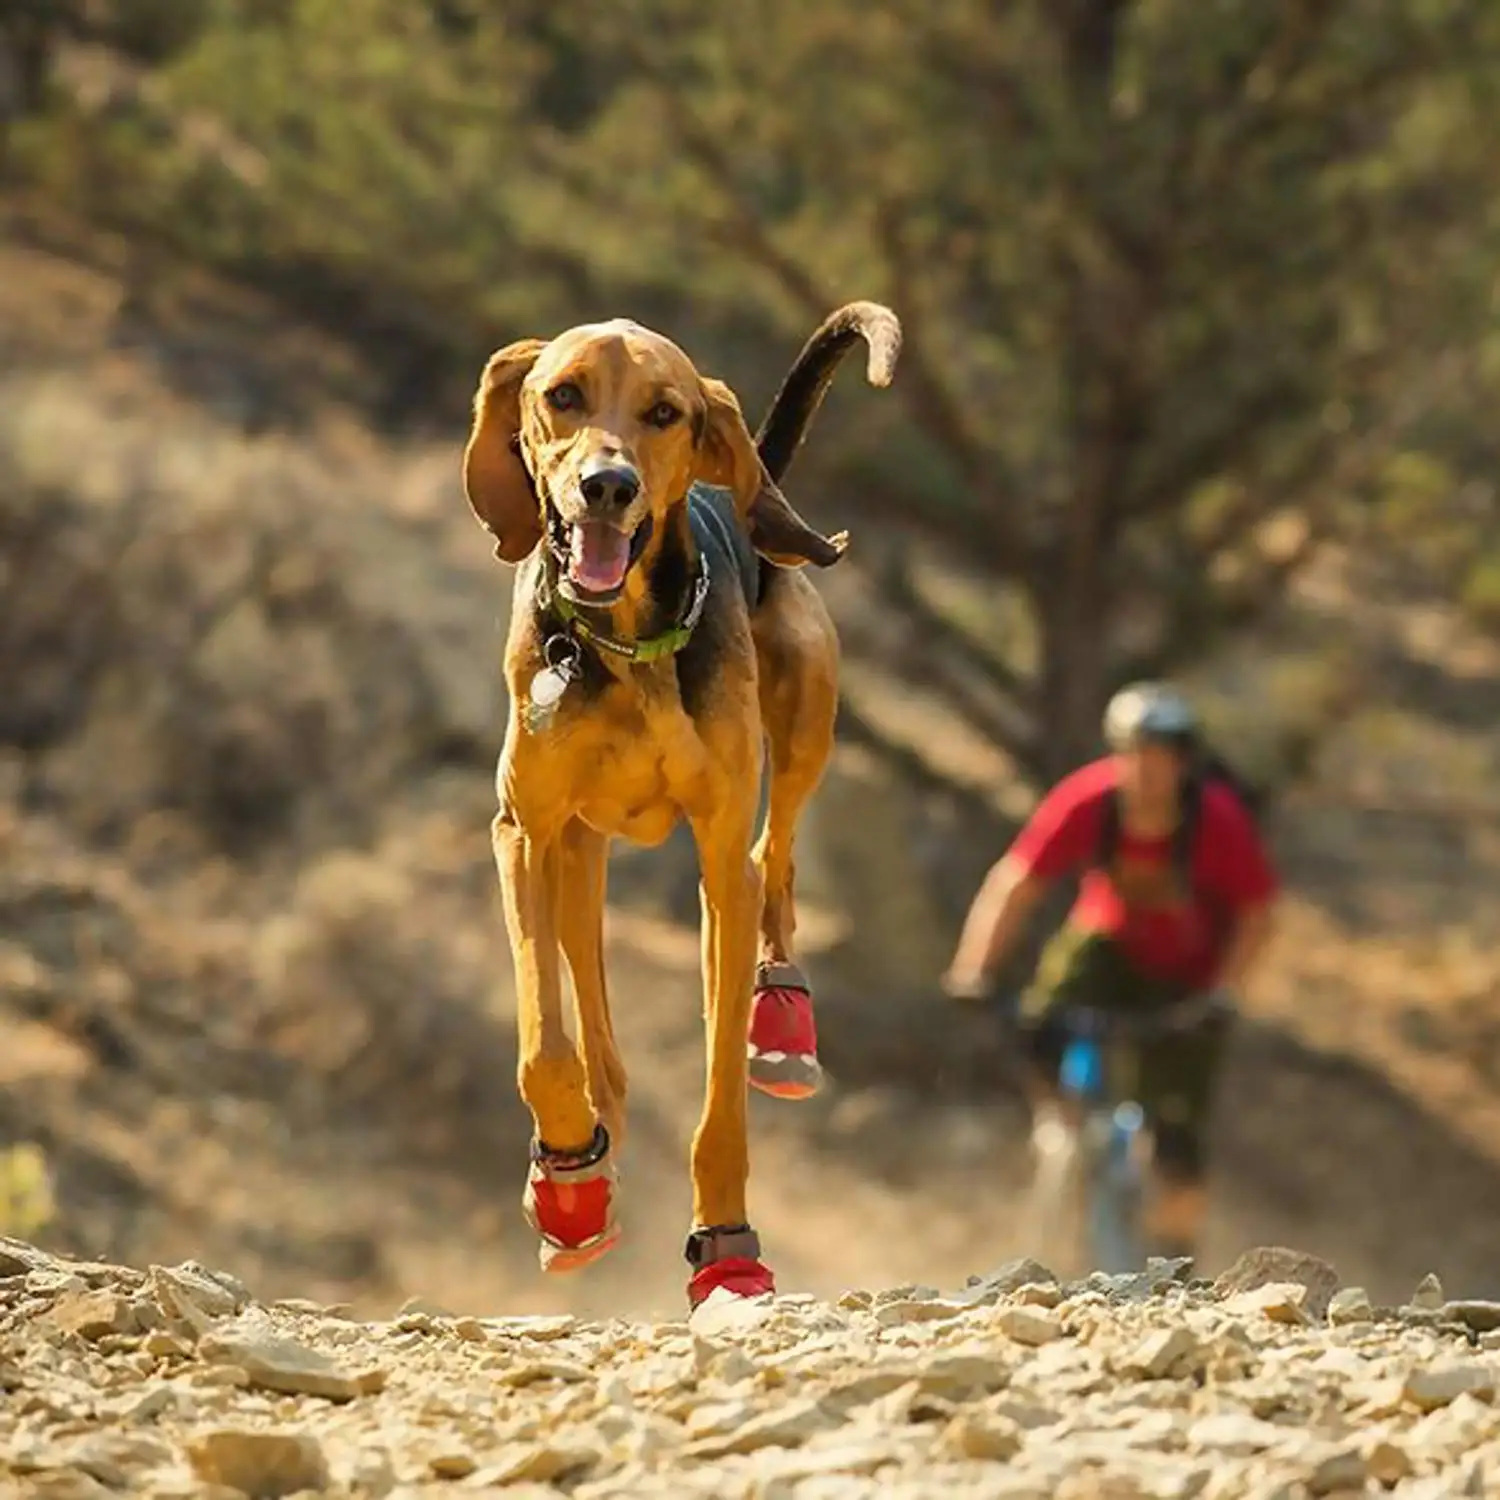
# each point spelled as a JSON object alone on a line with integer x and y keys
{"x": 254, "y": 991}
{"x": 1272, "y": 1380}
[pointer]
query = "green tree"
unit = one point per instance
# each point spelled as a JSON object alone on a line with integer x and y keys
{"x": 354, "y": 157}
{"x": 1178, "y": 279}
{"x": 1184, "y": 282}
{"x": 34, "y": 33}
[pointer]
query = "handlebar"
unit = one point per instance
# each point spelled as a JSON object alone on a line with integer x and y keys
{"x": 1102, "y": 1024}
{"x": 1099, "y": 1024}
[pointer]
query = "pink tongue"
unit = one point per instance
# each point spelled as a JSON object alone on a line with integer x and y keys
{"x": 599, "y": 556}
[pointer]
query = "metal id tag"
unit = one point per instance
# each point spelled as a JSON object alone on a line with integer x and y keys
{"x": 551, "y": 683}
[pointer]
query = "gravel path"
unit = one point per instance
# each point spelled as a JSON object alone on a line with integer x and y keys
{"x": 1272, "y": 1383}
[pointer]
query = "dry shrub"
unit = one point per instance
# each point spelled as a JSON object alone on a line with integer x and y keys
{"x": 59, "y": 614}
{"x": 189, "y": 622}
{"x": 368, "y": 992}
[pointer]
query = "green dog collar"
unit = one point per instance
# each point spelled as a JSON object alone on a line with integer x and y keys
{"x": 654, "y": 647}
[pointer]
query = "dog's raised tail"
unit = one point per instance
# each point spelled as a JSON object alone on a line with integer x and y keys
{"x": 807, "y": 382}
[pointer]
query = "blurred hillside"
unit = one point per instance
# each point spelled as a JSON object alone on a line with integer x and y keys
{"x": 253, "y": 979}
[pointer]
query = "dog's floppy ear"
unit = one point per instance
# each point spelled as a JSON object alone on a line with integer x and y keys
{"x": 778, "y": 533}
{"x": 495, "y": 480}
{"x": 726, "y": 451}
{"x": 727, "y": 457}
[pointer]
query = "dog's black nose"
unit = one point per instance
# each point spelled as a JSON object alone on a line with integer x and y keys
{"x": 614, "y": 484}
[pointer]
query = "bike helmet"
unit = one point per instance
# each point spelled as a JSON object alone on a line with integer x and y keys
{"x": 1149, "y": 711}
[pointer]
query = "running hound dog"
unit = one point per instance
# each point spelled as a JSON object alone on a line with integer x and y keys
{"x": 664, "y": 636}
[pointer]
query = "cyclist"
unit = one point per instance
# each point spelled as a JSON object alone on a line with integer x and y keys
{"x": 1173, "y": 908}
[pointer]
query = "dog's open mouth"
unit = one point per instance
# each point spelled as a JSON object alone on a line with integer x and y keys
{"x": 598, "y": 557}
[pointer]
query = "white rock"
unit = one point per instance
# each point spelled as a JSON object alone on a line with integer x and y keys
{"x": 1234, "y": 1432}
{"x": 92, "y": 1315}
{"x": 1349, "y": 1305}
{"x": 259, "y": 1463}
{"x": 722, "y": 1312}
{"x": 541, "y": 1462}
{"x": 1342, "y": 1470}
{"x": 1275, "y": 1265}
{"x": 783, "y": 1427}
{"x": 1166, "y": 1352}
{"x": 1032, "y": 1326}
{"x": 1281, "y": 1302}
{"x": 894, "y": 1314}
{"x": 1428, "y": 1296}
{"x": 982, "y": 1435}
{"x": 277, "y": 1363}
{"x": 536, "y": 1371}
{"x": 371, "y": 1473}
{"x": 1386, "y": 1462}
{"x": 1431, "y": 1386}
{"x": 192, "y": 1296}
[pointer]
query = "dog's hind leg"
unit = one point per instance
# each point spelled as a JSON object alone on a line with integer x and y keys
{"x": 569, "y": 1197}
{"x": 797, "y": 651}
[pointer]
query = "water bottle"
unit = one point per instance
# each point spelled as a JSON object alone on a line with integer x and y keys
{"x": 1082, "y": 1071}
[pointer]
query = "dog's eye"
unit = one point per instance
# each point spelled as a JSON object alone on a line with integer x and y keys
{"x": 565, "y": 397}
{"x": 663, "y": 414}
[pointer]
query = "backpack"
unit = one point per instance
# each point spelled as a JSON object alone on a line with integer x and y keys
{"x": 1208, "y": 766}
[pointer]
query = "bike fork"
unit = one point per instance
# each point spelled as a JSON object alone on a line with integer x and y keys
{"x": 1116, "y": 1188}
{"x": 1113, "y": 1175}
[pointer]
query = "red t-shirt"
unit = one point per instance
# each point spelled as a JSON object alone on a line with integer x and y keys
{"x": 1169, "y": 934}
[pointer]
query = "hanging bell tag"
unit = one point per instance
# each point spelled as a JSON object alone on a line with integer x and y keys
{"x": 551, "y": 683}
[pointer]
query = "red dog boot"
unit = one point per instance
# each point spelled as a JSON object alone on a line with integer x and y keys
{"x": 783, "y": 1034}
{"x": 569, "y": 1202}
{"x": 726, "y": 1256}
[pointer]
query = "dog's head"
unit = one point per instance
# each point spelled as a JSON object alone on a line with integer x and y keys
{"x": 592, "y": 440}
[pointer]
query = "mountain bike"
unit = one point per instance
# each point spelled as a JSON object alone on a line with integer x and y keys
{"x": 1092, "y": 1152}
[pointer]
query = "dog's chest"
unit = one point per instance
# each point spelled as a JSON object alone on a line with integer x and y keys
{"x": 644, "y": 768}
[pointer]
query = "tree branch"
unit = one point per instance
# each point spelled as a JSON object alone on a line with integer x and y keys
{"x": 998, "y": 88}
{"x": 918, "y": 379}
{"x": 743, "y": 229}
{"x": 1226, "y": 443}
{"x": 971, "y": 677}
{"x": 1199, "y": 613}
{"x": 1197, "y": 617}
{"x": 1218, "y": 154}
{"x": 930, "y": 400}
{"x": 1219, "y": 157}
{"x": 971, "y": 688}
{"x": 953, "y": 642}
{"x": 955, "y": 526}
{"x": 855, "y": 729}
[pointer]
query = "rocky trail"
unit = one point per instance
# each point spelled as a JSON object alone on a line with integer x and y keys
{"x": 1270, "y": 1382}
{"x": 256, "y": 1007}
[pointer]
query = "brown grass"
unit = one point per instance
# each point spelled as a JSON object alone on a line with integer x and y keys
{"x": 187, "y": 635}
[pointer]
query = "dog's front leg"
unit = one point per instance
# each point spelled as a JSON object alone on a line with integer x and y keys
{"x": 722, "y": 1249}
{"x": 584, "y": 856}
{"x": 570, "y": 1188}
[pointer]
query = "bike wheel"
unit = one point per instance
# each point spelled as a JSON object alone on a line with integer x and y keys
{"x": 1115, "y": 1190}
{"x": 1052, "y": 1227}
